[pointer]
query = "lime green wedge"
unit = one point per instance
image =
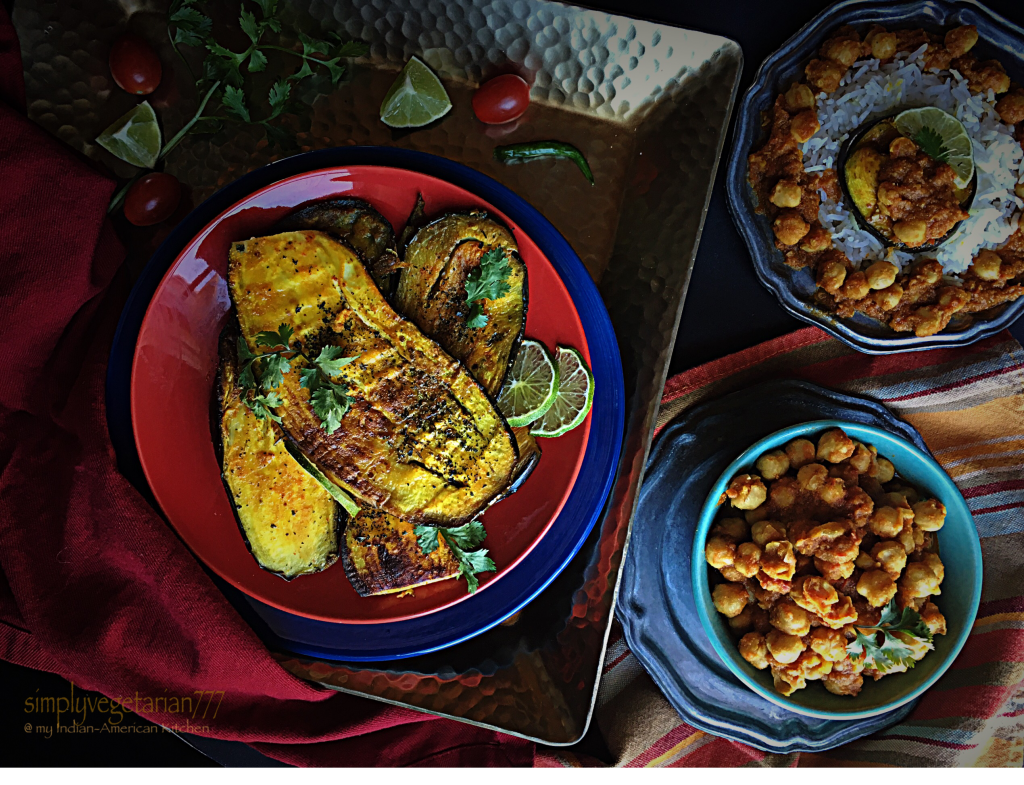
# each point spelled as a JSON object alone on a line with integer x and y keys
{"x": 531, "y": 387}
{"x": 574, "y": 399}
{"x": 416, "y": 98}
{"x": 134, "y": 138}
{"x": 342, "y": 498}
{"x": 958, "y": 149}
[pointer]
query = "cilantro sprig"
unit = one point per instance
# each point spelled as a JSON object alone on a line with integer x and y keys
{"x": 891, "y": 651}
{"x": 222, "y": 82}
{"x": 489, "y": 281}
{"x": 261, "y": 373}
{"x": 462, "y": 541}
{"x": 930, "y": 142}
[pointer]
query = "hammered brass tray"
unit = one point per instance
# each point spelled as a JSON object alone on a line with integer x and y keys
{"x": 648, "y": 104}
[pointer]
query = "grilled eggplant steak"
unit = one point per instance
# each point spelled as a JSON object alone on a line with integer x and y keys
{"x": 358, "y": 224}
{"x": 422, "y": 440}
{"x": 432, "y": 293}
{"x": 383, "y": 556}
{"x": 290, "y": 524}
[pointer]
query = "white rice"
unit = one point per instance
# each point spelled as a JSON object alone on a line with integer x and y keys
{"x": 870, "y": 90}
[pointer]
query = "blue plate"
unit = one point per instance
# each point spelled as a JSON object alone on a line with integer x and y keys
{"x": 658, "y": 613}
{"x": 961, "y": 585}
{"x": 369, "y": 642}
{"x": 795, "y": 288}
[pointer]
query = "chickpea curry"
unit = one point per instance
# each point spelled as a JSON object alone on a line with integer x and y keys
{"x": 815, "y": 552}
{"x": 907, "y": 195}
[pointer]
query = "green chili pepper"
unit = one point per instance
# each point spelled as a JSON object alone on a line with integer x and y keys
{"x": 514, "y": 153}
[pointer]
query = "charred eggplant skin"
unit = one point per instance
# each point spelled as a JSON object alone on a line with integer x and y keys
{"x": 288, "y": 522}
{"x": 422, "y": 440}
{"x": 432, "y": 293}
{"x": 361, "y": 226}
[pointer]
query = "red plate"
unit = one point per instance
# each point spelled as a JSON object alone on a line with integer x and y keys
{"x": 176, "y": 362}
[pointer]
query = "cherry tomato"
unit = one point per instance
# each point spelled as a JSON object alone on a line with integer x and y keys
{"x": 501, "y": 99}
{"x": 152, "y": 199}
{"x": 134, "y": 65}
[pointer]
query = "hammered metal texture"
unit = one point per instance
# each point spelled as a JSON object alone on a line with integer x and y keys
{"x": 648, "y": 104}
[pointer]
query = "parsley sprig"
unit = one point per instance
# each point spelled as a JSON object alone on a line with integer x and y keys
{"x": 489, "y": 281}
{"x": 892, "y": 651}
{"x": 222, "y": 79}
{"x": 930, "y": 142}
{"x": 462, "y": 541}
{"x": 260, "y": 374}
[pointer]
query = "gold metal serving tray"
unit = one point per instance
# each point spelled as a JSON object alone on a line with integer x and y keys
{"x": 647, "y": 103}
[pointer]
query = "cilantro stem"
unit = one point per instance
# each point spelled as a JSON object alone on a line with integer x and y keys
{"x": 292, "y": 52}
{"x": 177, "y": 51}
{"x": 188, "y": 126}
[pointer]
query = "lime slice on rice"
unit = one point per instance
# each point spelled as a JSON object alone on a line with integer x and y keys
{"x": 574, "y": 399}
{"x": 135, "y": 137}
{"x": 416, "y": 98}
{"x": 531, "y": 387}
{"x": 959, "y": 150}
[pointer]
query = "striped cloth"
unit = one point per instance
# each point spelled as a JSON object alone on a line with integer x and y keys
{"x": 968, "y": 404}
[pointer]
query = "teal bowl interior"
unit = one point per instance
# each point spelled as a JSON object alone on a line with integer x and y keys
{"x": 959, "y": 548}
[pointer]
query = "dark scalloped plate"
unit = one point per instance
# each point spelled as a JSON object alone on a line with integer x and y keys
{"x": 658, "y": 614}
{"x": 795, "y": 288}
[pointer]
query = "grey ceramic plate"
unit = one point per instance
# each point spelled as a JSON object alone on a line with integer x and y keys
{"x": 795, "y": 289}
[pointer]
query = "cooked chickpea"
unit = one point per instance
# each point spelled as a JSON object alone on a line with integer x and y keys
{"x": 960, "y": 40}
{"x": 731, "y": 574}
{"x": 919, "y": 580}
{"x": 773, "y": 465}
{"x": 935, "y": 565}
{"x": 790, "y": 227}
{"x": 831, "y": 274}
{"x": 901, "y": 147}
{"x": 883, "y": 45}
{"x": 735, "y": 529}
{"x": 835, "y": 446}
{"x": 832, "y": 491}
{"x": 754, "y": 649}
{"x": 742, "y": 622}
{"x": 829, "y": 644}
{"x": 877, "y": 587}
{"x": 866, "y": 561}
{"x": 798, "y": 97}
{"x": 814, "y": 593}
{"x": 862, "y": 458}
{"x": 747, "y": 492}
{"x": 800, "y": 452}
{"x": 913, "y": 232}
{"x": 764, "y": 532}
{"x": 719, "y": 552}
{"x": 816, "y": 240}
{"x": 908, "y": 492}
{"x": 784, "y": 648}
{"x": 778, "y": 560}
{"x": 804, "y": 125}
{"x": 790, "y": 618}
{"x": 856, "y": 286}
{"x": 927, "y": 272}
{"x": 891, "y": 556}
{"x": 786, "y": 193}
{"x": 786, "y": 683}
{"x": 930, "y": 515}
{"x": 824, "y": 75}
{"x": 840, "y": 614}
{"x": 987, "y": 265}
{"x": 881, "y": 275}
{"x": 844, "y": 51}
{"x": 932, "y": 617}
{"x": 953, "y": 299}
{"x": 886, "y": 471}
{"x": 834, "y": 572}
{"x": 755, "y": 515}
{"x": 748, "y": 559}
{"x": 730, "y": 598}
{"x": 1010, "y": 108}
{"x": 812, "y": 476}
{"x": 889, "y": 298}
{"x": 907, "y": 540}
{"x": 929, "y": 321}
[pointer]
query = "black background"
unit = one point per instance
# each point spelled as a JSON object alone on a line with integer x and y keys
{"x": 726, "y": 310}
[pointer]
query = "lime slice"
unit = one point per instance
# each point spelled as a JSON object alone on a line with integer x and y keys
{"x": 958, "y": 146}
{"x": 531, "y": 387}
{"x": 342, "y": 498}
{"x": 575, "y": 396}
{"x": 416, "y": 98}
{"x": 134, "y": 138}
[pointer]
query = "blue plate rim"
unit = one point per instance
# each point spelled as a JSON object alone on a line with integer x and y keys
{"x": 738, "y": 193}
{"x": 586, "y": 501}
{"x": 708, "y": 510}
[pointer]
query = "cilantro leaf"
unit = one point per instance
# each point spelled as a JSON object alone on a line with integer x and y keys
{"x": 330, "y": 403}
{"x": 337, "y": 71}
{"x": 309, "y": 378}
{"x": 929, "y": 140}
{"x": 190, "y": 20}
{"x": 468, "y": 536}
{"x": 427, "y": 538}
{"x": 257, "y": 61}
{"x": 279, "y": 93}
{"x": 330, "y": 360}
{"x": 303, "y": 72}
{"x": 244, "y": 354}
{"x": 207, "y": 125}
{"x": 476, "y": 316}
{"x": 352, "y": 49}
{"x": 461, "y": 541}
{"x": 893, "y": 650}
{"x": 247, "y": 21}
{"x": 261, "y": 406}
{"x": 279, "y": 136}
{"x": 267, "y": 7}
{"x": 274, "y": 366}
{"x": 489, "y": 281}
{"x": 282, "y": 337}
{"x": 234, "y": 102}
{"x": 310, "y": 46}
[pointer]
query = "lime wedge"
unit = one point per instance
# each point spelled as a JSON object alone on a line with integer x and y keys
{"x": 531, "y": 387}
{"x": 574, "y": 399}
{"x": 959, "y": 150}
{"x": 416, "y": 98}
{"x": 134, "y": 138}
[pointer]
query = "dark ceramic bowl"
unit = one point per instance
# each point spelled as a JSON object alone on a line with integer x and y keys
{"x": 844, "y": 153}
{"x": 795, "y": 289}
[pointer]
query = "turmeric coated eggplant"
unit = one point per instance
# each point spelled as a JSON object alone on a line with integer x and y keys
{"x": 290, "y": 524}
{"x": 422, "y": 440}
